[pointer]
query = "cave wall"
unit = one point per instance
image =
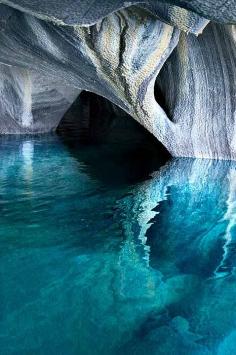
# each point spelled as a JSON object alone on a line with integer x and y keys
{"x": 199, "y": 85}
{"x": 50, "y": 51}
{"x": 31, "y": 102}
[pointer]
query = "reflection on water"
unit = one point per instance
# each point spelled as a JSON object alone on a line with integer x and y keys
{"x": 91, "y": 264}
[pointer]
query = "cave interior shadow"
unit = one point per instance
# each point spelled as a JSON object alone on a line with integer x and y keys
{"x": 113, "y": 146}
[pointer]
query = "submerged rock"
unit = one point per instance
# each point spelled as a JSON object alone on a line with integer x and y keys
{"x": 116, "y": 49}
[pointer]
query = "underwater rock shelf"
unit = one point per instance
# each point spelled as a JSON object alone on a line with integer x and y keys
{"x": 50, "y": 51}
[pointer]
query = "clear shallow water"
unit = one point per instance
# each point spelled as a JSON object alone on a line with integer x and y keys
{"x": 95, "y": 258}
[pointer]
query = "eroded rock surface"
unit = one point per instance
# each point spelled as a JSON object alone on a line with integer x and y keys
{"x": 52, "y": 51}
{"x": 31, "y": 103}
{"x": 86, "y": 12}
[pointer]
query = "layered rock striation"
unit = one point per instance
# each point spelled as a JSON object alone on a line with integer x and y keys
{"x": 163, "y": 62}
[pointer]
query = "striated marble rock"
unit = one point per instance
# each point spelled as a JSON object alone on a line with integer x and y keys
{"x": 198, "y": 83}
{"x": 160, "y": 61}
{"x": 85, "y": 12}
{"x": 98, "y": 59}
{"x": 31, "y": 103}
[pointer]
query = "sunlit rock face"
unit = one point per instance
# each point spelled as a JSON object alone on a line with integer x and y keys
{"x": 119, "y": 50}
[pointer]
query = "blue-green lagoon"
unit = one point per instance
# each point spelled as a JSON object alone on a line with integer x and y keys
{"x": 105, "y": 252}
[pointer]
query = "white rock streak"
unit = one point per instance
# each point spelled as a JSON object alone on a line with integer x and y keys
{"x": 122, "y": 59}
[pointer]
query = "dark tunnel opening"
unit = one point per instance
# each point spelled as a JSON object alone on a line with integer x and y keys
{"x": 109, "y": 141}
{"x": 161, "y": 99}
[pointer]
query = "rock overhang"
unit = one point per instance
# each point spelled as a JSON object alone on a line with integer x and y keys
{"x": 116, "y": 49}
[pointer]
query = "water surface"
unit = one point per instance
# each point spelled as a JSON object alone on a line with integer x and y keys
{"x": 103, "y": 251}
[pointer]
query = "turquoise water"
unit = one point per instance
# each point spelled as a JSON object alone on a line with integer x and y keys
{"x": 103, "y": 251}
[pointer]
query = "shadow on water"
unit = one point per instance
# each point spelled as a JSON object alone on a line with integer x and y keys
{"x": 114, "y": 147}
{"x": 98, "y": 257}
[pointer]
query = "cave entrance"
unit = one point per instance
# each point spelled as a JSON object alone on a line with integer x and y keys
{"x": 110, "y": 141}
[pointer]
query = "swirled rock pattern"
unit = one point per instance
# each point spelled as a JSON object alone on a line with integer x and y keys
{"x": 198, "y": 83}
{"x": 23, "y": 95}
{"x": 86, "y": 12}
{"x": 104, "y": 61}
{"x": 50, "y": 51}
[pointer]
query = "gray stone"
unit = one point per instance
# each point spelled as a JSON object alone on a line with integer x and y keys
{"x": 120, "y": 58}
{"x": 31, "y": 103}
{"x": 87, "y": 12}
{"x": 198, "y": 83}
{"x": 108, "y": 63}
